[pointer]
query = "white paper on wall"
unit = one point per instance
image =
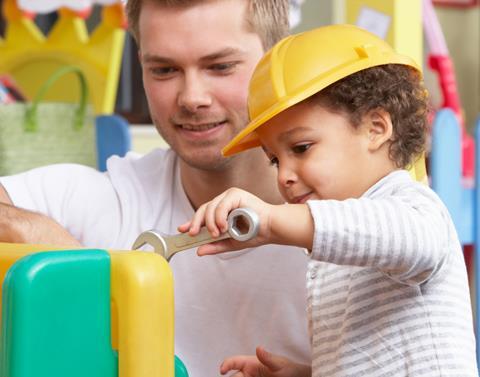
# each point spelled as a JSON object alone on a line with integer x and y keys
{"x": 374, "y": 21}
{"x": 46, "y": 6}
{"x": 295, "y": 16}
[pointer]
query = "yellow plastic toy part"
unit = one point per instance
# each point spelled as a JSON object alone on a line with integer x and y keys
{"x": 142, "y": 294}
{"x": 142, "y": 307}
{"x": 30, "y": 57}
{"x": 404, "y": 29}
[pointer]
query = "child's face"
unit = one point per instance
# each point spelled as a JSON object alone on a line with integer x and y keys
{"x": 319, "y": 154}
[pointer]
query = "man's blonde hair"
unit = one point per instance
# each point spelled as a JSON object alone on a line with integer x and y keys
{"x": 267, "y": 18}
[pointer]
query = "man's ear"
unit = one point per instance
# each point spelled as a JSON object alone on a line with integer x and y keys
{"x": 379, "y": 128}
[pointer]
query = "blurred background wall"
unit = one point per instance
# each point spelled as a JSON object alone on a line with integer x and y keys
{"x": 460, "y": 25}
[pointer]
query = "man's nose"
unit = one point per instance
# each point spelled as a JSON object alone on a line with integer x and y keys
{"x": 194, "y": 93}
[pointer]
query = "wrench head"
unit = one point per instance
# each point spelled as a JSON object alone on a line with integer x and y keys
{"x": 238, "y": 218}
{"x": 154, "y": 239}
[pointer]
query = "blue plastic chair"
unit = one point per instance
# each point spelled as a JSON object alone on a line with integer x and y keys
{"x": 462, "y": 202}
{"x": 446, "y": 174}
{"x": 113, "y": 138}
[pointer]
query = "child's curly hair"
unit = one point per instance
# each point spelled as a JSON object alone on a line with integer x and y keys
{"x": 395, "y": 88}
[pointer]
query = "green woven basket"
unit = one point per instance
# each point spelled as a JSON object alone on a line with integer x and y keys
{"x": 44, "y": 133}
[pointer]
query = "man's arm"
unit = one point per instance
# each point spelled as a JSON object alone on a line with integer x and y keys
{"x": 22, "y": 226}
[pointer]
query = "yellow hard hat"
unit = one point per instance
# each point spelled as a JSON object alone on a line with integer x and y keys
{"x": 303, "y": 64}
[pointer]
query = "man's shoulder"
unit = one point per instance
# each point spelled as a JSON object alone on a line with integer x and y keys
{"x": 148, "y": 178}
{"x": 155, "y": 163}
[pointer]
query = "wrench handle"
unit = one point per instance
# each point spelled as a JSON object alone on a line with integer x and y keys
{"x": 184, "y": 241}
{"x": 167, "y": 246}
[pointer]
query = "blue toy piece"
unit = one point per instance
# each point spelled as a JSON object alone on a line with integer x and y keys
{"x": 113, "y": 138}
{"x": 446, "y": 174}
{"x": 476, "y": 211}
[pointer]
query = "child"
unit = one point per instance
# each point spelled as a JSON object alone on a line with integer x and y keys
{"x": 341, "y": 115}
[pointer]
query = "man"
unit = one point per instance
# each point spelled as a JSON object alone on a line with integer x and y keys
{"x": 197, "y": 58}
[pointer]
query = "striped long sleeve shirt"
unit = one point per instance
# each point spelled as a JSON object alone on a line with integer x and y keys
{"x": 387, "y": 286}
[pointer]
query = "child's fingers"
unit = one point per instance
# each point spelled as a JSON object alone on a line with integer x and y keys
{"x": 184, "y": 227}
{"x": 206, "y": 250}
{"x": 235, "y": 363}
{"x": 218, "y": 247}
{"x": 210, "y": 219}
{"x": 224, "y": 204}
{"x": 197, "y": 221}
{"x": 240, "y": 374}
{"x": 213, "y": 223}
{"x": 272, "y": 362}
{"x": 224, "y": 207}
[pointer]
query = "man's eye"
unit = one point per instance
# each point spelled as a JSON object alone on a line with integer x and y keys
{"x": 162, "y": 71}
{"x": 223, "y": 67}
{"x": 274, "y": 162}
{"x": 301, "y": 148}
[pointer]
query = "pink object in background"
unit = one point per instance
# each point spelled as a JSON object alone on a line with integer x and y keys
{"x": 439, "y": 60}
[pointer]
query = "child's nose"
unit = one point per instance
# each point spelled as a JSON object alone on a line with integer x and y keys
{"x": 286, "y": 176}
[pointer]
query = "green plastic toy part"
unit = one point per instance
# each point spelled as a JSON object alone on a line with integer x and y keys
{"x": 56, "y": 316}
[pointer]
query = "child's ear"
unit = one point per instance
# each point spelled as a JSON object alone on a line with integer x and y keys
{"x": 379, "y": 128}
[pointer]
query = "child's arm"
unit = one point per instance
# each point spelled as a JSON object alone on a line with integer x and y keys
{"x": 265, "y": 364}
{"x": 406, "y": 235}
{"x": 287, "y": 224}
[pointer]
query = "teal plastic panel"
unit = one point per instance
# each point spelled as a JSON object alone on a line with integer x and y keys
{"x": 180, "y": 369}
{"x": 56, "y": 316}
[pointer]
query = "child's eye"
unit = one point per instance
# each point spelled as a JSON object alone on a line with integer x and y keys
{"x": 300, "y": 148}
{"x": 274, "y": 161}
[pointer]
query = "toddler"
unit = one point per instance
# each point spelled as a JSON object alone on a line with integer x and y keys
{"x": 341, "y": 115}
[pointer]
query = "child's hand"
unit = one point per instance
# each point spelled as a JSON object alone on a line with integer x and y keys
{"x": 214, "y": 215}
{"x": 264, "y": 364}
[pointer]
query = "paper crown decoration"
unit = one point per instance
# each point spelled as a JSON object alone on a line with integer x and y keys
{"x": 45, "y": 6}
{"x": 30, "y": 57}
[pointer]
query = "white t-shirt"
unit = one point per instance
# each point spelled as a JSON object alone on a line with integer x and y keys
{"x": 224, "y": 305}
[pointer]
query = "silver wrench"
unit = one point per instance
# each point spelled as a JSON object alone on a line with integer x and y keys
{"x": 169, "y": 245}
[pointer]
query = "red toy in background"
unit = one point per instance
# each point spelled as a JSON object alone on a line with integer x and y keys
{"x": 5, "y": 96}
{"x": 439, "y": 60}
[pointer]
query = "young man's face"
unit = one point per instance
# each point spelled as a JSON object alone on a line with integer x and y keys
{"x": 197, "y": 62}
{"x": 319, "y": 154}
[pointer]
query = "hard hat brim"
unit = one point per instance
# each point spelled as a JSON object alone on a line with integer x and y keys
{"x": 302, "y": 65}
{"x": 247, "y": 138}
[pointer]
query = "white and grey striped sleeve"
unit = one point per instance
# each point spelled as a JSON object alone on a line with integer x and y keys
{"x": 404, "y": 234}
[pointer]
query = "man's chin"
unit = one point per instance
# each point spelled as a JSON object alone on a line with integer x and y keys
{"x": 205, "y": 162}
